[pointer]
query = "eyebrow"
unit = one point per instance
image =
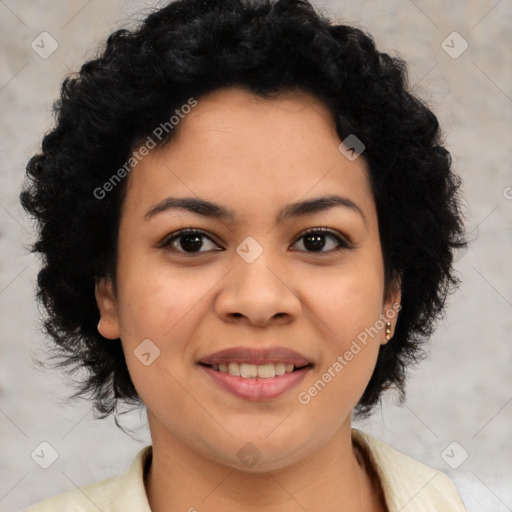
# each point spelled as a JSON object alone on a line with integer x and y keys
{"x": 217, "y": 211}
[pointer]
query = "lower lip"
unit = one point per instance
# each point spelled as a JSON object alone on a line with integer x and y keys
{"x": 257, "y": 389}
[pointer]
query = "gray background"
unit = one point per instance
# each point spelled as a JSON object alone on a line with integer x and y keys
{"x": 463, "y": 393}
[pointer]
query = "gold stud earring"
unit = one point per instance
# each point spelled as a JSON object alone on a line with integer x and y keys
{"x": 388, "y": 330}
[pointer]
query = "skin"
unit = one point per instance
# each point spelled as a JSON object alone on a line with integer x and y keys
{"x": 253, "y": 156}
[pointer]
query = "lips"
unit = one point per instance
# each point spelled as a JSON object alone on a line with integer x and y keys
{"x": 255, "y": 381}
{"x": 258, "y": 356}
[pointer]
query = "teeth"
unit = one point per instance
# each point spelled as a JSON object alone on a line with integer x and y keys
{"x": 266, "y": 371}
{"x": 249, "y": 371}
{"x": 280, "y": 368}
{"x": 234, "y": 369}
{"x": 252, "y": 371}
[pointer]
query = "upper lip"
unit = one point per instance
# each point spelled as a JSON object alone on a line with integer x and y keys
{"x": 265, "y": 355}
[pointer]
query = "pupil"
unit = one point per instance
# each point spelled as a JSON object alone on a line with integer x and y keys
{"x": 317, "y": 242}
{"x": 194, "y": 242}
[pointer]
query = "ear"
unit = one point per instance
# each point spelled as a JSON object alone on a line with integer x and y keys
{"x": 108, "y": 325}
{"x": 391, "y": 306}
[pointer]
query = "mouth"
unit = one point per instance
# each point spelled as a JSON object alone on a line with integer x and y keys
{"x": 256, "y": 371}
{"x": 253, "y": 387}
{"x": 259, "y": 356}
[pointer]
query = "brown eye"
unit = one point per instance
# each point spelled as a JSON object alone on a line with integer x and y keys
{"x": 189, "y": 241}
{"x": 317, "y": 239}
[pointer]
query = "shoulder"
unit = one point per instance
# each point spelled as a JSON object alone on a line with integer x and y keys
{"x": 89, "y": 498}
{"x": 409, "y": 485}
{"x": 125, "y": 492}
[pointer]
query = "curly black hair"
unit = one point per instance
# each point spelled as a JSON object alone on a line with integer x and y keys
{"x": 187, "y": 49}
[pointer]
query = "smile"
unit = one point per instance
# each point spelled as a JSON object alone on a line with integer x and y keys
{"x": 256, "y": 382}
{"x": 253, "y": 371}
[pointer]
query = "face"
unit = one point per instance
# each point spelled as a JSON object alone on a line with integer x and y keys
{"x": 264, "y": 274}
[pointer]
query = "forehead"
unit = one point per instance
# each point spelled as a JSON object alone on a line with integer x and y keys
{"x": 241, "y": 120}
{"x": 235, "y": 147}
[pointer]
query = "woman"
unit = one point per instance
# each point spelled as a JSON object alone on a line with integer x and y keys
{"x": 248, "y": 225}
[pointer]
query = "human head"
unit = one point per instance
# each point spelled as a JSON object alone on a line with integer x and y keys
{"x": 187, "y": 50}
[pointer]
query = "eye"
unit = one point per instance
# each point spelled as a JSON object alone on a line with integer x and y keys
{"x": 188, "y": 241}
{"x": 315, "y": 240}
{"x": 191, "y": 241}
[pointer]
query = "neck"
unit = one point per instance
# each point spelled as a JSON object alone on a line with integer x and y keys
{"x": 331, "y": 478}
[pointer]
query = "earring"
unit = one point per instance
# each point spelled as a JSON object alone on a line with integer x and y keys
{"x": 388, "y": 330}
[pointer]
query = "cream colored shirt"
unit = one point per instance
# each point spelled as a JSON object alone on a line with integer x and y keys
{"x": 408, "y": 485}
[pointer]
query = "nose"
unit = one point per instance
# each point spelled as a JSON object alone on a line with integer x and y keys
{"x": 257, "y": 294}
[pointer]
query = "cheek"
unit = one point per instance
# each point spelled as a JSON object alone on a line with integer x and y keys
{"x": 154, "y": 300}
{"x": 348, "y": 314}
{"x": 348, "y": 304}
{"x": 158, "y": 320}
{"x": 349, "y": 299}
{"x": 165, "y": 306}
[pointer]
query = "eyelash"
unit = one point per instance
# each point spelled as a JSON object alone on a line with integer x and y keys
{"x": 166, "y": 243}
